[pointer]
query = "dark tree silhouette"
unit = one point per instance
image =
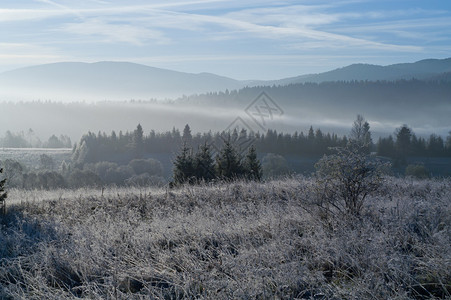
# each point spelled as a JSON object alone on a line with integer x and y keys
{"x": 3, "y": 194}
{"x": 448, "y": 144}
{"x": 187, "y": 137}
{"x": 228, "y": 162}
{"x": 204, "y": 164}
{"x": 402, "y": 145}
{"x": 386, "y": 147}
{"x": 138, "y": 144}
{"x": 252, "y": 166}
{"x": 184, "y": 166}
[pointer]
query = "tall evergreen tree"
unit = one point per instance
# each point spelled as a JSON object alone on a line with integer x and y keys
{"x": 204, "y": 164}
{"x": 386, "y": 147}
{"x": 403, "y": 139}
{"x": 435, "y": 145}
{"x": 252, "y": 166}
{"x": 184, "y": 166}
{"x": 448, "y": 144}
{"x": 311, "y": 141}
{"x": 187, "y": 137}
{"x": 138, "y": 143}
{"x": 228, "y": 162}
{"x": 311, "y": 134}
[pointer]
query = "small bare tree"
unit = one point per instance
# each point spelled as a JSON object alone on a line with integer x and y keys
{"x": 360, "y": 135}
{"x": 345, "y": 179}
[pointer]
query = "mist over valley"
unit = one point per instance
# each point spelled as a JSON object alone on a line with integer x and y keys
{"x": 77, "y": 97}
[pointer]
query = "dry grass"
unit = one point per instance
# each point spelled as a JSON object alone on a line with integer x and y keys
{"x": 226, "y": 241}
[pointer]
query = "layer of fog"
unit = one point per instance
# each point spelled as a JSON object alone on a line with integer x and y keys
{"x": 76, "y": 119}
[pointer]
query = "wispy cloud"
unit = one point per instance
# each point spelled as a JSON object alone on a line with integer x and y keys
{"x": 115, "y": 33}
{"x": 220, "y": 30}
{"x": 281, "y": 32}
{"x": 20, "y": 14}
{"x": 298, "y": 24}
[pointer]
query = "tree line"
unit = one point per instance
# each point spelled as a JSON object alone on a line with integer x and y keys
{"x": 359, "y": 94}
{"x": 405, "y": 143}
{"x": 123, "y": 159}
{"x": 98, "y": 147}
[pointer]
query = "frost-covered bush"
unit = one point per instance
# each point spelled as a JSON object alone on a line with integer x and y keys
{"x": 346, "y": 179}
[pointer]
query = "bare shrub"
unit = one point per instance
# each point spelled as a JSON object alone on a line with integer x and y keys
{"x": 345, "y": 179}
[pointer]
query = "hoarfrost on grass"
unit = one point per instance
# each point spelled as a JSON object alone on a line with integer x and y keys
{"x": 225, "y": 241}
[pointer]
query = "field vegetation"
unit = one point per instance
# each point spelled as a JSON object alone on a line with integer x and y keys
{"x": 237, "y": 240}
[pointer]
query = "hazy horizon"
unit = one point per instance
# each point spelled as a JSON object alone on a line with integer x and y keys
{"x": 231, "y": 41}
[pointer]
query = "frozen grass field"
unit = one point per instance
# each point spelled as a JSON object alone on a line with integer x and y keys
{"x": 226, "y": 241}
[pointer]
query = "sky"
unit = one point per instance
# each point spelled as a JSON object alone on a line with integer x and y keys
{"x": 243, "y": 39}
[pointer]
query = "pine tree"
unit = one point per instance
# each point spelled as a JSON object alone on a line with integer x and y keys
{"x": 386, "y": 147}
{"x": 184, "y": 166}
{"x": 204, "y": 164}
{"x": 138, "y": 143}
{"x": 228, "y": 162}
{"x": 311, "y": 141}
{"x": 3, "y": 194}
{"x": 187, "y": 136}
{"x": 403, "y": 139}
{"x": 448, "y": 144}
{"x": 252, "y": 165}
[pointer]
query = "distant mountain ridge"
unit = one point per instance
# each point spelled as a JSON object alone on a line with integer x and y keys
{"x": 75, "y": 81}
{"x": 107, "y": 81}
{"x": 421, "y": 70}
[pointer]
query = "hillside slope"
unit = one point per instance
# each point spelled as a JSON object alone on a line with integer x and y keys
{"x": 73, "y": 81}
{"x": 422, "y": 70}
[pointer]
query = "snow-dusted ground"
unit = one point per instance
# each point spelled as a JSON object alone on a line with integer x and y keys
{"x": 227, "y": 241}
{"x": 20, "y": 196}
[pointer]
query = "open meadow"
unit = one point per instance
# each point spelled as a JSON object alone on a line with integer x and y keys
{"x": 241, "y": 240}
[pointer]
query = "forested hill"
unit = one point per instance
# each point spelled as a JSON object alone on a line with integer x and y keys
{"x": 353, "y": 92}
{"x": 424, "y": 70}
{"x": 119, "y": 81}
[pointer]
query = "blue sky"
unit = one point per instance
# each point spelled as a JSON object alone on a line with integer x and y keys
{"x": 243, "y": 39}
